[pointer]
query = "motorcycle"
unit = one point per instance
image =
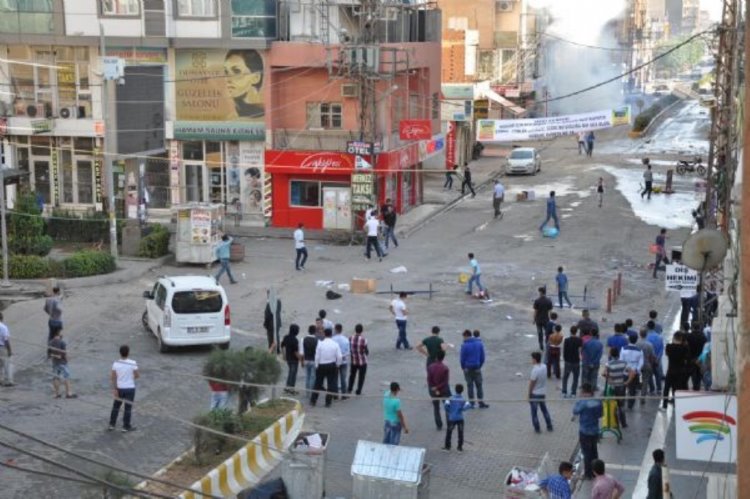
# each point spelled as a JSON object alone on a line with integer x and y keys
{"x": 696, "y": 165}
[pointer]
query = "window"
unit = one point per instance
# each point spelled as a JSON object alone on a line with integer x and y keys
{"x": 196, "y": 302}
{"x": 305, "y": 193}
{"x": 254, "y": 19}
{"x": 326, "y": 115}
{"x": 196, "y": 8}
{"x": 521, "y": 154}
{"x": 26, "y": 16}
{"x": 160, "y": 296}
{"x": 121, "y": 7}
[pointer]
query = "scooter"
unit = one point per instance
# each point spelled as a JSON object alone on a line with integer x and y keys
{"x": 696, "y": 165}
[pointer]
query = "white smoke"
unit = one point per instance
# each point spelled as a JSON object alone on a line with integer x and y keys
{"x": 569, "y": 67}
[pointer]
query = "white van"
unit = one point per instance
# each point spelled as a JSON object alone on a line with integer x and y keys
{"x": 187, "y": 310}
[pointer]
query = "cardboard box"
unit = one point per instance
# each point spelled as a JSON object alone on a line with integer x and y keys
{"x": 521, "y": 196}
{"x": 363, "y": 285}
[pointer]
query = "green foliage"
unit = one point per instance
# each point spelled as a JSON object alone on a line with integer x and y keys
{"x": 250, "y": 365}
{"x": 81, "y": 264}
{"x": 26, "y": 228}
{"x": 681, "y": 59}
{"x": 86, "y": 263}
{"x": 28, "y": 267}
{"x": 644, "y": 119}
{"x": 208, "y": 443}
{"x": 71, "y": 226}
{"x": 155, "y": 243}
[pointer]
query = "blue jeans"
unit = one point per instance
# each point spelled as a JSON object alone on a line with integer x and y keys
{"x": 124, "y": 395}
{"x": 390, "y": 233}
{"x": 590, "y": 374}
{"x": 537, "y": 402}
{"x": 575, "y": 370}
{"x": 219, "y": 400}
{"x": 550, "y": 216}
{"x": 225, "y": 268}
{"x": 291, "y": 377}
{"x": 401, "y": 326}
{"x": 391, "y": 433}
{"x": 475, "y": 278}
{"x": 309, "y": 375}
{"x": 372, "y": 242}
{"x": 343, "y": 381}
{"x": 564, "y": 294}
{"x": 301, "y": 258}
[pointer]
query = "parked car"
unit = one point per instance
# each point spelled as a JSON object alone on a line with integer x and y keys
{"x": 523, "y": 160}
{"x": 187, "y": 310}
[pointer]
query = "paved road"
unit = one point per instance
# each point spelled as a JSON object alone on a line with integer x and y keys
{"x": 594, "y": 245}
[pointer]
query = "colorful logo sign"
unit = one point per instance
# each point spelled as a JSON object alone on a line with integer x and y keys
{"x": 709, "y": 426}
{"x": 415, "y": 130}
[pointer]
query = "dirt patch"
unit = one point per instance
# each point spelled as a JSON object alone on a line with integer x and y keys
{"x": 189, "y": 469}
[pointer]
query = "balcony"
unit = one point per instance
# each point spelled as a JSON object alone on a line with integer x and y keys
{"x": 26, "y": 22}
{"x": 323, "y": 140}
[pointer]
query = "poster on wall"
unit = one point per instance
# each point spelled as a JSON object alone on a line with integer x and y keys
{"x": 450, "y": 146}
{"x": 219, "y": 95}
{"x": 706, "y": 426}
{"x": 553, "y": 126}
{"x": 251, "y": 159}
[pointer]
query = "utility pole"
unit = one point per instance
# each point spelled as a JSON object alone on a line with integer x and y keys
{"x": 108, "y": 150}
{"x": 5, "y": 282}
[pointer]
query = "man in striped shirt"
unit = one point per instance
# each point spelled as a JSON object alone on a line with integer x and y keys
{"x": 618, "y": 377}
{"x": 359, "y": 352}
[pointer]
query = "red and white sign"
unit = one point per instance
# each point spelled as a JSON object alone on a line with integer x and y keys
{"x": 314, "y": 161}
{"x": 3, "y": 127}
{"x": 415, "y": 130}
{"x": 450, "y": 146}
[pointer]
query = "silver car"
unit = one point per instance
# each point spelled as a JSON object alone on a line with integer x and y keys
{"x": 523, "y": 160}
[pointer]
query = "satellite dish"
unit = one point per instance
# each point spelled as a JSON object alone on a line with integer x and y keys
{"x": 704, "y": 250}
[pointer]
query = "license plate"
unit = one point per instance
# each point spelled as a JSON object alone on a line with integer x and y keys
{"x": 193, "y": 330}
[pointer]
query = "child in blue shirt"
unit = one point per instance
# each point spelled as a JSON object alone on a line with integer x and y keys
{"x": 454, "y": 409}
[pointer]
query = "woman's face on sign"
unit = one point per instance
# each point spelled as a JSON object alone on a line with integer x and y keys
{"x": 240, "y": 80}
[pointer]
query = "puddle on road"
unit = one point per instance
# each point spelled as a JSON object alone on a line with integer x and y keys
{"x": 670, "y": 211}
{"x": 563, "y": 187}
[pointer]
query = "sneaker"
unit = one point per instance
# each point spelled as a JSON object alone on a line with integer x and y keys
{"x": 446, "y": 449}
{"x": 73, "y": 396}
{"x": 537, "y": 430}
{"x": 110, "y": 428}
{"x": 482, "y": 405}
{"x": 565, "y": 395}
{"x": 57, "y": 396}
{"x": 128, "y": 429}
{"x": 550, "y": 428}
{"x": 468, "y": 405}
{"x": 460, "y": 449}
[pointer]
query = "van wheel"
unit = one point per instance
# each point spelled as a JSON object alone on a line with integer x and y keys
{"x": 163, "y": 348}
{"x": 224, "y": 346}
{"x": 144, "y": 320}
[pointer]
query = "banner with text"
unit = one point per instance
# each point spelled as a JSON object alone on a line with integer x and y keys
{"x": 553, "y": 126}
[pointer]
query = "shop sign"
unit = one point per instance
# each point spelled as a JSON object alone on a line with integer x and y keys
{"x": 237, "y": 130}
{"x": 680, "y": 278}
{"x": 363, "y": 191}
{"x": 42, "y": 126}
{"x": 481, "y": 109}
{"x": 428, "y": 148}
{"x": 53, "y": 170}
{"x": 318, "y": 162}
{"x": 415, "y": 129}
{"x": 3, "y": 127}
{"x": 450, "y": 145}
{"x": 251, "y": 174}
{"x": 98, "y": 177}
{"x": 359, "y": 147}
{"x": 457, "y": 91}
{"x": 136, "y": 56}
{"x": 174, "y": 171}
{"x": 706, "y": 426}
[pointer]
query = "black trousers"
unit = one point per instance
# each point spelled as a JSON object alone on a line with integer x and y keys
{"x": 648, "y": 189}
{"x": 672, "y": 382}
{"x": 590, "y": 452}
{"x": 357, "y": 372}
{"x": 633, "y": 389}
{"x": 328, "y": 373}
{"x": 449, "y": 433}
{"x": 464, "y": 185}
{"x": 436, "y": 403}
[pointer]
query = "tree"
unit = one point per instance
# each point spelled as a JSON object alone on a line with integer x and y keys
{"x": 26, "y": 227}
{"x": 681, "y": 59}
{"x": 251, "y": 365}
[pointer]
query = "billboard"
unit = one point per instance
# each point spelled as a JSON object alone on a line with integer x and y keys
{"x": 706, "y": 426}
{"x": 552, "y": 126}
{"x": 219, "y": 95}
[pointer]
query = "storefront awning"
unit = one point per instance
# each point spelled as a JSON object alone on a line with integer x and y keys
{"x": 510, "y": 106}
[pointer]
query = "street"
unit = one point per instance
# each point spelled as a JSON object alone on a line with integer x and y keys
{"x": 594, "y": 246}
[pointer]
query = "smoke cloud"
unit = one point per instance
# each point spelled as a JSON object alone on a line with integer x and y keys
{"x": 568, "y": 67}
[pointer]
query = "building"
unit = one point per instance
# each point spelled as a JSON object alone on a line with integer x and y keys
{"x": 683, "y": 16}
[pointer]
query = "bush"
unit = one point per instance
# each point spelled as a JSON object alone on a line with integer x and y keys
{"x": 209, "y": 444}
{"x": 71, "y": 226}
{"x": 28, "y": 267}
{"x": 26, "y": 228}
{"x": 86, "y": 263}
{"x": 644, "y": 119}
{"x": 155, "y": 243}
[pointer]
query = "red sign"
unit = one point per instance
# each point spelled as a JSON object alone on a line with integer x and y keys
{"x": 3, "y": 127}
{"x": 314, "y": 161}
{"x": 450, "y": 145}
{"x": 415, "y": 130}
{"x": 399, "y": 159}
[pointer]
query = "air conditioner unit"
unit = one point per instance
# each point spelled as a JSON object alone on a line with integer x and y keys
{"x": 69, "y": 113}
{"x": 505, "y": 6}
{"x": 39, "y": 109}
{"x": 32, "y": 110}
{"x": 349, "y": 90}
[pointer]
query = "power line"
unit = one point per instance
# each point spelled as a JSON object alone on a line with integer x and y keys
{"x": 47, "y": 474}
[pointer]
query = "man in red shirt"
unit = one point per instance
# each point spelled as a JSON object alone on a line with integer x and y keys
{"x": 438, "y": 383}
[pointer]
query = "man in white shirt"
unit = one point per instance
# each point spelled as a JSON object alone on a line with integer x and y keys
{"x": 498, "y": 195}
{"x": 632, "y": 355}
{"x": 343, "y": 343}
{"x": 327, "y": 361}
{"x": 299, "y": 246}
{"x": 123, "y": 375}
{"x": 6, "y": 369}
{"x": 371, "y": 229}
{"x": 399, "y": 311}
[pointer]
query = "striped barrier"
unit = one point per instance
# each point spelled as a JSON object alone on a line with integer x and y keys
{"x": 267, "y": 196}
{"x": 250, "y": 464}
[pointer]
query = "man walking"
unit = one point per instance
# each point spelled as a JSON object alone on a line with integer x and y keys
{"x": 647, "y": 369}
{"x": 605, "y": 486}
{"x": 122, "y": 377}
{"x": 438, "y": 383}
{"x": 551, "y": 212}
{"x": 600, "y": 191}
{"x": 308, "y": 348}
{"x": 343, "y": 343}
{"x": 53, "y": 309}
{"x": 299, "y": 247}
{"x": 655, "y": 481}
{"x": 678, "y": 354}
{"x": 658, "y": 343}
{"x": 6, "y": 367}
{"x": 591, "y": 357}
{"x": 371, "y": 229}
{"x": 617, "y": 376}
{"x": 582, "y": 143}
{"x": 431, "y": 345}
{"x": 293, "y": 356}
{"x": 272, "y": 322}
{"x": 587, "y": 326}
{"x": 389, "y": 219}
{"x": 472, "y": 360}
{"x": 359, "y": 352}
{"x": 400, "y": 313}
{"x": 222, "y": 252}
{"x": 454, "y": 418}
{"x": 449, "y": 173}
{"x": 562, "y": 287}
{"x": 394, "y": 418}
{"x": 590, "y": 143}
{"x": 60, "y": 371}
{"x": 498, "y": 196}
{"x": 661, "y": 252}
{"x": 648, "y": 179}
{"x": 467, "y": 181}
{"x": 589, "y": 411}
{"x": 327, "y": 361}
{"x": 633, "y": 357}
{"x": 572, "y": 359}
{"x": 476, "y": 275}
{"x": 538, "y": 392}
{"x": 542, "y": 307}
{"x": 554, "y": 341}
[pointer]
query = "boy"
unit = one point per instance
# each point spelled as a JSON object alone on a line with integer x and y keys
{"x": 454, "y": 409}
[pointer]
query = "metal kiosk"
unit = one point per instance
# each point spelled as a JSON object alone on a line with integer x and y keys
{"x": 389, "y": 471}
{"x": 198, "y": 230}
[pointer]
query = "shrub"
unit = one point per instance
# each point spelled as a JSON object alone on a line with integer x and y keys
{"x": 71, "y": 226}
{"x": 155, "y": 243}
{"x": 85, "y": 263}
{"x": 26, "y": 227}
{"x": 28, "y": 267}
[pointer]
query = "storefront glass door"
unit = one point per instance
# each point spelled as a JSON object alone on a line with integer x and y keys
{"x": 194, "y": 179}
{"x": 41, "y": 179}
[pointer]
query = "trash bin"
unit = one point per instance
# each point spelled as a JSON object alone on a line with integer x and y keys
{"x": 304, "y": 470}
{"x": 392, "y": 471}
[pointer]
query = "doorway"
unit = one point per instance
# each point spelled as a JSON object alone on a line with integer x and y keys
{"x": 194, "y": 182}
{"x": 337, "y": 213}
